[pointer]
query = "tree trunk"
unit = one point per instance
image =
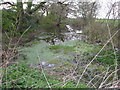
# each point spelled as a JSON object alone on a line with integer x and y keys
{"x": 20, "y": 14}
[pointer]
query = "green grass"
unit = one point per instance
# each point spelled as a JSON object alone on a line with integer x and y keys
{"x": 109, "y": 21}
{"x": 65, "y": 49}
{"x": 55, "y": 47}
{"x": 77, "y": 46}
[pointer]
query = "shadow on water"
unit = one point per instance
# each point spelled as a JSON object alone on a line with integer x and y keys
{"x": 57, "y": 35}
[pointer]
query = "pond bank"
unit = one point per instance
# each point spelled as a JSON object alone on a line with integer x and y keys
{"x": 65, "y": 61}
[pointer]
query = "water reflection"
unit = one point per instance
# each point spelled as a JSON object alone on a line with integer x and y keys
{"x": 58, "y": 35}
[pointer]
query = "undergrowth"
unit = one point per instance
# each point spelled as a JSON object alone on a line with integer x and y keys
{"x": 22, "y": 76}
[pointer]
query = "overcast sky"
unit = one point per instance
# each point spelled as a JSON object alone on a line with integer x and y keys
{"x": 105, "y": 5}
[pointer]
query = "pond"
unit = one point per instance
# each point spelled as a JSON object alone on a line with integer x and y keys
{"x": 41, "y": 52}
{"x": 60, "y": 56}
{"x": 40, "y": 48}
{"x": 57, "y": 36}
{"x": 50, "y": 50}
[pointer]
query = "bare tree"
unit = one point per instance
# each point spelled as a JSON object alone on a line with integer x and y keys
{"x": 60, "y": 9}
{"x": 87, "y": 10}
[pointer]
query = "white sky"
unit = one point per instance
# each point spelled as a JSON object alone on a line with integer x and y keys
{"x": 105, "y": 5}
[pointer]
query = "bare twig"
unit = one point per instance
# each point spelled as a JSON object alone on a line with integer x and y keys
{"x": 44, "y": 73}
{"x": 96, "y": 56}
{"x": 108, "y": 78}
{"x": 104, "y": 77}
{"x": 21, "y": 37}
{"x": 95, "y": 77}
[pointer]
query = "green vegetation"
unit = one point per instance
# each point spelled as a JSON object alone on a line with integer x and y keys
{"x": 113, "y": 22}
{"x": 8, "y": 21}
{"x": 43, "y": 47}
{"x": 108, "y": 57}
{"x": 65, "y": 49}
{"x": 49, "y": 21}
{"x": 22, "y": 76}
{"x": 107, "y": 20}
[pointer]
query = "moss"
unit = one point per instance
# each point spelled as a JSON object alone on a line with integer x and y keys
{"x": 58, "y": 48}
